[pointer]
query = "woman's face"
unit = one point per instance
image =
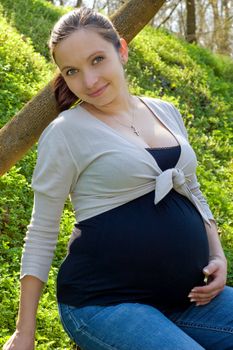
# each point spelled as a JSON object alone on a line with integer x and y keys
{"x": 92, "y": 67}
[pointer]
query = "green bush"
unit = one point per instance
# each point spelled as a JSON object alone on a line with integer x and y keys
{"x": 197, "y": 82}
{"x": 22, "y": 71}
{"x": 33, "y": 19}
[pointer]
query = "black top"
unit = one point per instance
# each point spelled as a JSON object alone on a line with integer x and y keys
{"x": 138, "y": 252}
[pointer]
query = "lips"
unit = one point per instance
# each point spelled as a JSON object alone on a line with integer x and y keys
{"x": 98, "y": 92}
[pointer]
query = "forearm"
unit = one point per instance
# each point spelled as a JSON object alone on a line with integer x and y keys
{"x": 215, "y": 247}
{"x": 30, "y": 292}
{"x": 215, "y": 271}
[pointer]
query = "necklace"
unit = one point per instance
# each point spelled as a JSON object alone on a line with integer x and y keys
{"x": 131, "y": 126}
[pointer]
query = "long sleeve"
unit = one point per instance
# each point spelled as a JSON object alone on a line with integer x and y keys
{"x": 54, "y": 176}
{"x": 193, "y": 183}
{"x": 194, "y": 187}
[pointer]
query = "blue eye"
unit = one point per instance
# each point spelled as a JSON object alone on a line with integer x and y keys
{"x": 97, "y": 59}
{"x": 71, "y": 71}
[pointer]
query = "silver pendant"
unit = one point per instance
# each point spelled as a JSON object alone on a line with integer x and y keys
{"x": 134, "y": 130}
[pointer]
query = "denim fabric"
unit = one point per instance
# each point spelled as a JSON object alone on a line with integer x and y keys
{"x": 135, "y": 326}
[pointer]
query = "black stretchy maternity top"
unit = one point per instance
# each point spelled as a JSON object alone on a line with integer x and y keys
{"x": 138, "y": 252}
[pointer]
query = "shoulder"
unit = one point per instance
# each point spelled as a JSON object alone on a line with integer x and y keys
{"x": 66, "y": 123}
{"x": 65, "y": 119}
{"x": 156, "y": 103}
{"x": 163, "y": 108}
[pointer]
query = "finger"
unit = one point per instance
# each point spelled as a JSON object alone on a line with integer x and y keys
{"x": 195, "y": 297}
{"x": 199, "y": 298}
{"x": 215, "y": 284}
{"x": 205, "y": 300}
{"x": 208, "y": 294}
{"x": 201, "y": 303}
{"x": 210, "y": 268}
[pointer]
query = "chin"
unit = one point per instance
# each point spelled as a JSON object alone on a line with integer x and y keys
{"x": 102, "y": 101}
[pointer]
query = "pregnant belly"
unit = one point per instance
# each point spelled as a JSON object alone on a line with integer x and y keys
{"x": 157, "y": 252}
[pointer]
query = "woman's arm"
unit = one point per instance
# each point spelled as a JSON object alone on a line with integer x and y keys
{"x": 24, "y": 336}
{"x": 30, "y": 292}
{"x": 54, "y": 176}
{"x": 215, "y": 246}
{"x": 215, "y": 271}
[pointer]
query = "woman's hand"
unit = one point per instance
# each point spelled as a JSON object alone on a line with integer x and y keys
{"x": 20, "y": 341}
{"x": 216, "y": 274}
{"x": 24, "y": 336}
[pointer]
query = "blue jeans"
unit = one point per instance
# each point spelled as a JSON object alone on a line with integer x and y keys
{"x": 135, "y": 326}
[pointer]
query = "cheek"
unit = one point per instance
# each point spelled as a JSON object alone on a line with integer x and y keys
{"x": 115, "y": 73}
{"x": 73, "y": 84}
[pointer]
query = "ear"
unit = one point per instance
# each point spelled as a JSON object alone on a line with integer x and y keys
{"x": 123, "y": 51}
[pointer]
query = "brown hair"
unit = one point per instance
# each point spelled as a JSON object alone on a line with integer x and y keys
{"x": 67, "y": 24}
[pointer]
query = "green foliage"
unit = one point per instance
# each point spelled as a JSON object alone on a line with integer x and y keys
{"x": 33, "y": 19}
{"x": 198, "y": 83}
{"x": 15, "y": 210}
{"x": 22, "y": 71}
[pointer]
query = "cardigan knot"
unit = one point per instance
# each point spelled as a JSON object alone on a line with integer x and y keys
{"x": 178, "y": 178}
{"x": 168, "y": 179}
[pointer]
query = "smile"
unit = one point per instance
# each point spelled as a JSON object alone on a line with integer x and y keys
{"x": 99, "y": 91}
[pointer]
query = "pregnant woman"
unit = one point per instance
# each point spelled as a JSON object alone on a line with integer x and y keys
{"x": 145, "y": 268}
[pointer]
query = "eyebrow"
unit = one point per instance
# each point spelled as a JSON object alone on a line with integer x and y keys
{"x": 90, "y": 56}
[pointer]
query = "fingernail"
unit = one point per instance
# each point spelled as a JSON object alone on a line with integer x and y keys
{"x": 206, "y": 271}
{"x": 192, "y": 300}
{"x": 190, "y": 295}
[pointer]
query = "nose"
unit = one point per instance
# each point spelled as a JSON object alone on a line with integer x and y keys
{"x": 89, "y": 79}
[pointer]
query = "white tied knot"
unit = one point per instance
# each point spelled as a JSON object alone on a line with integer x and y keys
{"x": 178, "y": 178}
{"x": 168, "y": 179}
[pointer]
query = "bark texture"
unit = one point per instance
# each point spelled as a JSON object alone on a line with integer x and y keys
{"x": 20, "y": 133}
{"x": 134, "y": 15}
{"x": 191, "y": 22}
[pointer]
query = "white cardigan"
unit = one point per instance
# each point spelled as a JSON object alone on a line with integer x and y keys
{"x": 81, "y": 156}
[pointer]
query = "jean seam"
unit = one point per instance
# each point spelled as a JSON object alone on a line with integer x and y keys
{"x": 98, "y": 341}
{"x": 203, "y": 326}
{"x": 65, "y": 325}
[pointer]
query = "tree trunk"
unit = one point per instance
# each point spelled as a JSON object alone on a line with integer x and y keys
{"x": 224, "y": 34}
{"x": 203, "y": 24}
{"x": 94, "y": 4}
{"x": 190, "y": 21}
{"x": 134, "y": 15}
{"x": 79, "y": 3}
{"x": 217, "y": 25}
{"x": 19, "y": 134}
